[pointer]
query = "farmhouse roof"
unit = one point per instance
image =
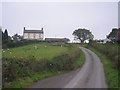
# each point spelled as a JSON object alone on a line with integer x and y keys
{"x": 33, "y": 31}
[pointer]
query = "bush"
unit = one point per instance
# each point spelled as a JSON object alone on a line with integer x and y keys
{"x": 18, "y": 68}
{"x": 11, "y": 43}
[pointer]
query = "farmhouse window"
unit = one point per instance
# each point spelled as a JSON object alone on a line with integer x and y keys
{"x": 34, "y": 35}
{"x": 28, "y": 35}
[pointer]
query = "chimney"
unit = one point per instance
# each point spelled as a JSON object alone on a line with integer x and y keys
{"x": 42, "y": 29}
{"x": 24, "y": 28}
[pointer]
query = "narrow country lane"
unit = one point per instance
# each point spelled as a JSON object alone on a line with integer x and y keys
{"x": 91, "y": 75}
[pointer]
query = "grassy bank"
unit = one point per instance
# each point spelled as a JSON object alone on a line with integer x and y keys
{"x": 34, "y": 77}
{"x": 110, "y": 50}
{"x": 80, "y": 61}
{"x": 48, "y": 60}
{"x": 111, "y": 72}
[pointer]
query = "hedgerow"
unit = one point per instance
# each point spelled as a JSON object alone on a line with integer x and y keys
{"x": 110, "y": 50}
{"x": 19, "y": 68}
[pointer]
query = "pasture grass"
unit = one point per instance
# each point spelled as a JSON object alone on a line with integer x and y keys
{"x": 44, "y": 51}
{"x": 110, "y": 72}
{"x": 63, "y": 59}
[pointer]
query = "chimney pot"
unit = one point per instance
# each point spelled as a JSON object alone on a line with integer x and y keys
{"x": 24, "y": 28}
{"x": 42, "y": 28}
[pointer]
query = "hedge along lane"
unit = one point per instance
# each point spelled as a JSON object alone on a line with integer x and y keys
{"x": 110, "y": 72}
{"x": 24, "y": 72}
{"x": 91, "y": 75}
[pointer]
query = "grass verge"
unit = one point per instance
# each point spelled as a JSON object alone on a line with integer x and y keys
{"x": 110, "y": 72}
{"x": 80, "y": 61}
{"x": 26, "y": 81}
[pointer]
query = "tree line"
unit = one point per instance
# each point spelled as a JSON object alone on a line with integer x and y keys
{"x": 84, "y": 34}
{"x": 14, "y": 41}
{"x": 6, "y": 37}
{"x": 79, "y": 34}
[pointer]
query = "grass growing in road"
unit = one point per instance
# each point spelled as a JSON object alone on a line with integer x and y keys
{"x": 110, "y": 72}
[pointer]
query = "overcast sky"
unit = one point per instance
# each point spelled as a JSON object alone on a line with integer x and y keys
{"x": 60, "y": 19}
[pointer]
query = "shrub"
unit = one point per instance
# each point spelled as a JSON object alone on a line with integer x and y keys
{"x": 11, "y": 43}
{"x": 18, "y": 68}
{"x": 110, "y": 50}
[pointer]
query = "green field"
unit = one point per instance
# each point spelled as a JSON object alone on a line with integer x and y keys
{"x": 24, "y": 65}
{"x": 43, "y": 52}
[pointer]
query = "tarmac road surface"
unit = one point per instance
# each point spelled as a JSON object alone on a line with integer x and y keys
{"x": 91, "y": 75}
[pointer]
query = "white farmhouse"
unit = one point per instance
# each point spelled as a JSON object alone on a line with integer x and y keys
{"x": 33, "y": 34}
